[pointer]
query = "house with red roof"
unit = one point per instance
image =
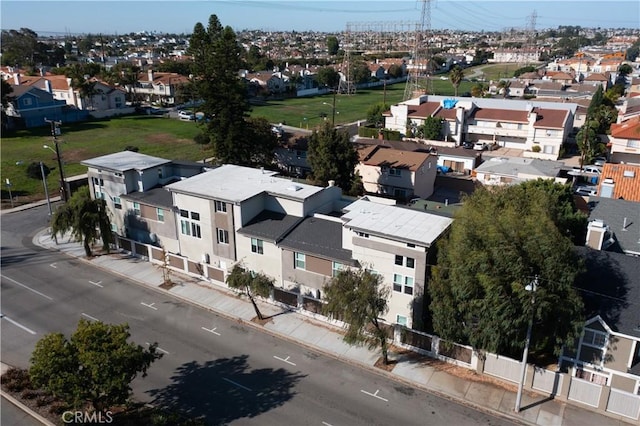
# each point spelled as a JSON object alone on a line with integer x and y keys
{"x": 625, "y": 141}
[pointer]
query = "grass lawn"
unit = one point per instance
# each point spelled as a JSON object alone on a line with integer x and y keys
{"x": 167, "y": 138}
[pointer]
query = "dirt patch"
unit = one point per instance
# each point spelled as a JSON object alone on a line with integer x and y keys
{"x": 262, "y": 322}
{"x": 165, "y": 139}
{"x": 386, "y": 367}
{"x": 167, "y": 285}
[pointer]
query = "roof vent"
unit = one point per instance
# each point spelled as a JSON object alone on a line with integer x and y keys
{"x": 294, "y": 188}
{"x": 598, "y": 223}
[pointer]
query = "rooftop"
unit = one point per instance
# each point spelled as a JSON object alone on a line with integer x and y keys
{"x": 124, "y": 161}
{"x": 320, "y": 237}
{"x": 396, "y": 222}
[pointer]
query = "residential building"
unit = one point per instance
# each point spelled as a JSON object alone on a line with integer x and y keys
{"x": 400, "y": 174}
{"x": 30, "y": 106}
{"x": 620, "y": 181}
{"x": 625, "y": 141}
{"x": 613, "y": 225}
{"x": 291, "y": 155}
{"x": 514, "y": 170}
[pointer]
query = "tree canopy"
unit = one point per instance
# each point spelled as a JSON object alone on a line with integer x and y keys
{"x": 501, "y": 240}
{"x": 431, "y": 128}
{"x": 455, "y": 76}
{"x": 87, "y": 220}
{"x": 97, "y": 364}
{"x": 374, "y": 114}
{"x": 217, "y": 59}
{"x": 332, "y": 156}
{"x": 251, "y": 283}
{"x": 329, "y": 77}
{"x": 332, "y": 45}
{"x": 358, "y": 298}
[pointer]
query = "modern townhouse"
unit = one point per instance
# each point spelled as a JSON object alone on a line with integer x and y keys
{"x": 625, "y": 141}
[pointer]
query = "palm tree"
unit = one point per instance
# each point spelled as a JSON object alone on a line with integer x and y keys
{"x": 456, "y": 75}
{"x": 503, "y": 85}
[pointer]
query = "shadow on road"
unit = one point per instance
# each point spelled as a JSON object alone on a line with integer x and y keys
{"x": 226, "y": 389}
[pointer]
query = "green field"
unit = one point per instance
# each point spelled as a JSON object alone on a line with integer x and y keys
{"x": 167, "y": 138}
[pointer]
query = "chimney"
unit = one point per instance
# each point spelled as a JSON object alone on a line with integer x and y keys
{"x": 332, "y": 183}
{"x": 598, "y": 235}
{"x": 47, "y": 85}
{"x": 16, "y": 79}
{"x": 150, "y": 74}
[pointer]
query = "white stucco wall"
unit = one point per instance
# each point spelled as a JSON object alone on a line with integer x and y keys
{"x": 269, "y": 263}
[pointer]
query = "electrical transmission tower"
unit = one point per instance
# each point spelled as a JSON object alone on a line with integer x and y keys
{"x": 413, "y": 81}
{"x": 531, "y": 37}
{"x": 346, "y": 84}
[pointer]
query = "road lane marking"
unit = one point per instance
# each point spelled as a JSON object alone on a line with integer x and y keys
{"x": 53, "y": 265}
{"x": 327, "y": 424}
{"x": 97, "y": 284}
{"x": 284, "y": 359}
{"x": 27, "y": 287}
{"x": 375, "y": 395}
{"x": 158, "y": 348}
{"x": 90, "y": 317}
{"x": 17, "y": 324}
{"x": 149, "y": 305}
{"x": 236, "y": 384}
{"x": 212, "y": 330}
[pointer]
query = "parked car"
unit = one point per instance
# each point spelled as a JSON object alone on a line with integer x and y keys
{"x": 186, "y": 115}
{"x": 599, "y": 161}
{"x": 479, "y": 146}
{"x": 467, "y": 145}
{"x": 585, "y": 190}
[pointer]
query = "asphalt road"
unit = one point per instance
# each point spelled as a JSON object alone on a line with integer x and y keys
{"x": 212, "y": 366}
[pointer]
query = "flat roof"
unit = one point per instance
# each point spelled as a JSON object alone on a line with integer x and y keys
{"x": 235, "y": 184}
{"x": 124, "y": 161}
{"x": 395, "y": 222}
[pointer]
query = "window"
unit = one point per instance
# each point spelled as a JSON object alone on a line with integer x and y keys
{"x": 362, "y": 234}
{"x": 190, "y": 227}
{"x": 594, "y": 338}
{"x": 299, "y": 260}
{"x": 411, "y": 245}
{"x": 411, "y": 262}
{"x": 257, "y": 246}
{"x": 160, "y": 214}
{"x": 220, "y": 206}
{"x": 136, "y": 208}
{"x": 223, "y": 236}
{"x": 100, "y": 195}
{"x": 402, "y": 284}
{"x": 395, "y": 172}
{"x": 99, "y": 182}
{"x": 159, "y": 173}
{"x": 399, "y": 260}
{"x": 117, "y": 203}
{"x": 26, "y": 101}
{"x": 336, "y": 267}
{"x": 401, "y": 320}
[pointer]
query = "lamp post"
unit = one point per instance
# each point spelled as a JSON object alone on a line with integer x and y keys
{"x": 532, "y": 288}
{"x": 46, "y": 190}
{"x": 55, "y": 131}
{"x": 333, "y": 109}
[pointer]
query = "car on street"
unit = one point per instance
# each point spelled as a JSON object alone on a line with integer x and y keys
{"x": 186, "y": 115}
{"x": 467, "y": 145}
{"x": 585, "y": 190}
{"x": 599, "y": 161}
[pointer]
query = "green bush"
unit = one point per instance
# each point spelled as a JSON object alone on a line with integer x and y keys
{"x": 536, "y": 148}
{"x": 372, "y": 132}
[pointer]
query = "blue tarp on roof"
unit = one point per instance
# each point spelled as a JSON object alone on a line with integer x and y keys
{"x": 449, "y": 103}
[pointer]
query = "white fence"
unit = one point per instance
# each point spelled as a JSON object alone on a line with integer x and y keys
{"x": 624, "y": 403}
{"x": 502, "y": 367}
{"x": 547, "y": 381}
{"x": 584, "y": 392}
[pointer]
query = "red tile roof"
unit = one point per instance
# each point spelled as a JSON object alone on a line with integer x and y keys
{"x": 550, "y": 118}
{"x": 626, "y": 179}
{"x": 629, "y": 129}
{"x": 424, "y": 110}
{"x": 494, "y": 114}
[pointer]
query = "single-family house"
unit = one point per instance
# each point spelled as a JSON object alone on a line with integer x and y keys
{"x": 514, "y": 170}
{"x": 620, "y": 180}
{"x": 399, "y": 174}
{"x": 30, "y": 106}
{"x": 291, "y": 155}
{"x": 613, "y": 225}
{"x": 625, "y": 140}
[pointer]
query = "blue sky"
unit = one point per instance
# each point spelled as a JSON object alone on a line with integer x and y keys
{"x": 179, "y": 16}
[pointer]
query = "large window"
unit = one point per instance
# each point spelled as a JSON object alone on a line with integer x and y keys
{"x": 594, "y": 338}
{"x": 117, "y": 203}
{"x": 160, "y": 214}
{"x": 136, "y": 208}
{"x": 409, "y": 262}
{"x": 300, "y": 260}
{"x": 336, "y": 267}
{"x": 395, "y": 172}
{"x": 223, "y": 236}
{"x": 190, "y": 227}
{"x": 220, "y": 206}
{"x": 257, "y": 246}
{"x": 402, "y": 284}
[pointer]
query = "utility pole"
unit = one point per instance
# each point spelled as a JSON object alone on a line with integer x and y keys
{"x": 55, "y": 131}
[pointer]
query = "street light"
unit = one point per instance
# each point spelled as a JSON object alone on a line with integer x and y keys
{"x": 55, "y": 131}
{"x": 532, "y": 287}
{"x": 333, "y": 109}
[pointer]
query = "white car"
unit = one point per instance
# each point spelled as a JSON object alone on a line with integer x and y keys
{"x": 479, "y": 146}
{"x": 186, "y": 115}
{"x": 585, "y": 190}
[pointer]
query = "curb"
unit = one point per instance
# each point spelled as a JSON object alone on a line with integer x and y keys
{"x": 20, "y": 405}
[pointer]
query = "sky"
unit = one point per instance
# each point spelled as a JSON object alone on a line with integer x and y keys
{"x": 180, "y": 16}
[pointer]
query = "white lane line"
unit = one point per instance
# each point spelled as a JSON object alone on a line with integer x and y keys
{"x": 212, "y": 330}
{"x": 90, "y": 317}
{"x": 158, "y": 348}
{"x": 53, "y": 265}
{"x": 17, "y": 324}
{"x": 149, "y": 305}
{"x": 375, "y": 395}
{"x": 97, "y": 284}
{"x": 327, "y": 424}
{"x": 284, "y": 359}
{"x": 236, "y": 384}
{"x": 27, "y": 287}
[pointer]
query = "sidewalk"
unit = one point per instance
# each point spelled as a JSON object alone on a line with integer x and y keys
{"x": 304, "y": 330}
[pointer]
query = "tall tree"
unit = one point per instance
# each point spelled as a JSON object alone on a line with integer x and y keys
{"x": 455, "y": 76}
{"x": 19, "y": 47}
{"x": 332, "y": 45}
{"x": 502, "y": 240}
{"x": 96, "y": 365}
{"x": 358, "y": 299}
{"x": 328, "y": 77}
{"x": 252, "y": 284}
{"x": 217, "y": 59}
{"x": 431, "y": 129}
{"x": 332, "y": 156}
{"x": 374, "y": 114}
{"x": 86, "y": 219}
{"x": 589, "y": 144}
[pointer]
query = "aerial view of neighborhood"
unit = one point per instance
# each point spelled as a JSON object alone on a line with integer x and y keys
{"x": 320, "y": 213}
